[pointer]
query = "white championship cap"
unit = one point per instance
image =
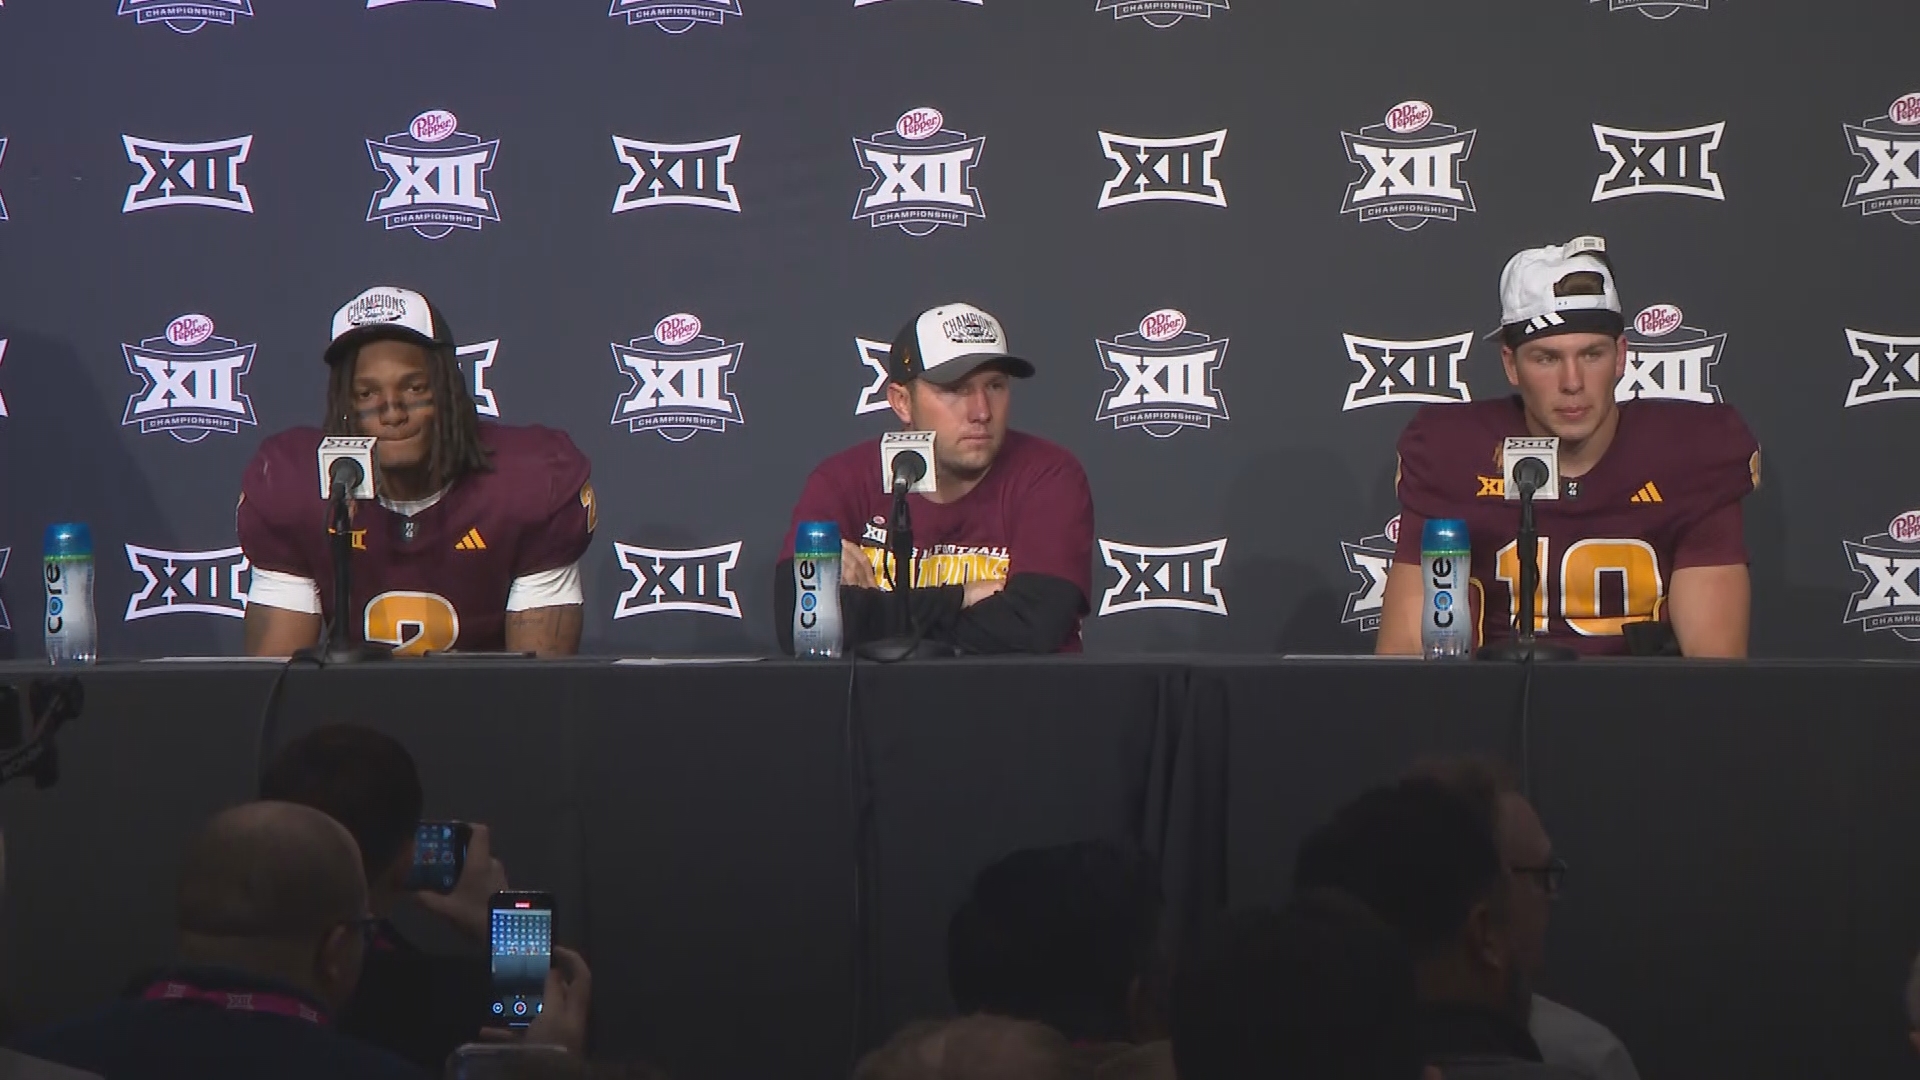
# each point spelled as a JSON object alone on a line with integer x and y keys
{"x": 386, "y": 311}
{"x": 1531, "y": 305}
{"x": 947, "y": 343}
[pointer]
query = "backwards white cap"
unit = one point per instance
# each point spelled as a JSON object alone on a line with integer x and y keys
{"x": 1529, "y": 300}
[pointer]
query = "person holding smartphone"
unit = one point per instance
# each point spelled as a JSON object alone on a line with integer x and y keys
{"x": 421, "y": 1004}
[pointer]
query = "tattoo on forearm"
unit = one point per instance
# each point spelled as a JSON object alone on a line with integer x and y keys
{"x": 545, "y": 631}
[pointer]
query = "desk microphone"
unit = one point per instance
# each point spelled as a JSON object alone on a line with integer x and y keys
{"x": 346, "y": 467}
{"x": 906, "y": 462}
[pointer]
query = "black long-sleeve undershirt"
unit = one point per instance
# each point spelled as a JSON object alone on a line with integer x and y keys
{"x": 1033, "y": 613}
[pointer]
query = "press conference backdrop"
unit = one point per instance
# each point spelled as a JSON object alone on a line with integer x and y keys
{"x": 1242, "y": 242}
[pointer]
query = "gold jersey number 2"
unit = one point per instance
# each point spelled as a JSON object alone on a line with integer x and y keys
{"x": 414, "y": 623}
{"x": 1582, "y": 569}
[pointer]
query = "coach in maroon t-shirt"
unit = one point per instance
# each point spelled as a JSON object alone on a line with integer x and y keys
{"x": 1003, "y": 548}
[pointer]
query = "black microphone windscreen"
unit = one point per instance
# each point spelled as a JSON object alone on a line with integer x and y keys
{"x": 909, "y": 466}
{"x": 1530, "y": 472}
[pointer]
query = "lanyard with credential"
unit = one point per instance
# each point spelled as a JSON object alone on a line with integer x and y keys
{"x": 260, "y": 1002}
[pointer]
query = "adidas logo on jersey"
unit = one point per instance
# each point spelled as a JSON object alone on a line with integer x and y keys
{"x": 1647, "y": 494}
{"x": 471, "y": 542}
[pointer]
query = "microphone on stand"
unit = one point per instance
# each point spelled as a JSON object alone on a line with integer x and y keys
{"x": 1532, "y": 469}
{"x": 906, "y": 466}
{"x": 346, "y": 475}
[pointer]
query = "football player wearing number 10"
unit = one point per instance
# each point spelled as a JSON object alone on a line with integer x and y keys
{"x": 474, "y": 538}
{"x": 1647, "y": 525}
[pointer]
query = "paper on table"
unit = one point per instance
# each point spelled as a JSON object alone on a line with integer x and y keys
{"x": 215, "y": 660}
{"x": 670, "y": 661}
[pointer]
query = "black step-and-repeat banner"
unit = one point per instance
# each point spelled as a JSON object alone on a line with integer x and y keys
{"x": 1242, "y": 241}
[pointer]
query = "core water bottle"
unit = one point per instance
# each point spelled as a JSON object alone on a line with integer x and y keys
{"x": 71, "y": 635}
{"x": 816, "y": 591}
{"x": 1444, "y": 562}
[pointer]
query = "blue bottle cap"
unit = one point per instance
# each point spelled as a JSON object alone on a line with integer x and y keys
{"x": 817, "y": 538}
{"x": 1443, "y": 534}
{"x": 68, "y": 539}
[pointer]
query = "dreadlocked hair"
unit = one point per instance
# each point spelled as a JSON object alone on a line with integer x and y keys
{"x": 454, "y": 449}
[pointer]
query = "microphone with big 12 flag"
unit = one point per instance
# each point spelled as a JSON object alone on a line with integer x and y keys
{"x": 1531, "y": 465}
{"x": 346, "y": 475}
{"x": 906, "y": 466}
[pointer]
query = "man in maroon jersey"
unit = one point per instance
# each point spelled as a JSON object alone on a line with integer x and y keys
{"x": 1003, "y": 549}
{"x": 475, "y": 537}
{"x": 1647, "y": 526}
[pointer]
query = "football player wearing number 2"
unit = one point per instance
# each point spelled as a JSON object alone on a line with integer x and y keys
{"x": 1648, "y": 524}
{"x": 474, "y": 539}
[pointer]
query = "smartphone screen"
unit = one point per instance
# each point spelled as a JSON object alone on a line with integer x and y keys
{"x": 522, "y": 935}
{"x": 439, "y": 855}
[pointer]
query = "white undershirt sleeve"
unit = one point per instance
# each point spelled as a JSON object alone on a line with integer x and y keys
{"x": 289, "y": 592}
{"x": 545, "y": 588}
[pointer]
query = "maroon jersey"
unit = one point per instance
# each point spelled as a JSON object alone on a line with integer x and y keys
{"x": 439, "y": 579}
{"x": 1665, "y": 496}
{"x": 1031, "y": 514}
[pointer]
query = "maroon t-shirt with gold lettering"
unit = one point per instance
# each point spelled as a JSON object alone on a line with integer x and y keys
{"x": 1031, "y": 514}
{"x": 1665, "y": 496}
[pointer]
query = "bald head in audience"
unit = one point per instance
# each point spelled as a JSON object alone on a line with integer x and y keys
{"x": 275, "y": 889}
{"x": 973, "y": 1048}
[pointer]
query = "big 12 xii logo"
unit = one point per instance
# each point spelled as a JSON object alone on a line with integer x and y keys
{"x": 1654, "y": 9}
{"x": 675, "y": 579}
{"x": 1889, "y": 563}
{"x": 681, "y": 380}
{"x": 189, "y": 582}
{"x": 190, "y": 382}
{"x": 1166, "y": 377}
{"x": 1668, "y": 359}
{"x": 675, "y": 16}
{"x": 1411, "y": 169}
{"x": 1162, "y": 14}
{"x": 186, "y": 17}
{"x": 1369, "y": 560}
{"x": 922, "y": 175}
{"x": 1177, "y": 578}
{"x": 1889, "y": 146}
{"x": 436, "y": 177}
